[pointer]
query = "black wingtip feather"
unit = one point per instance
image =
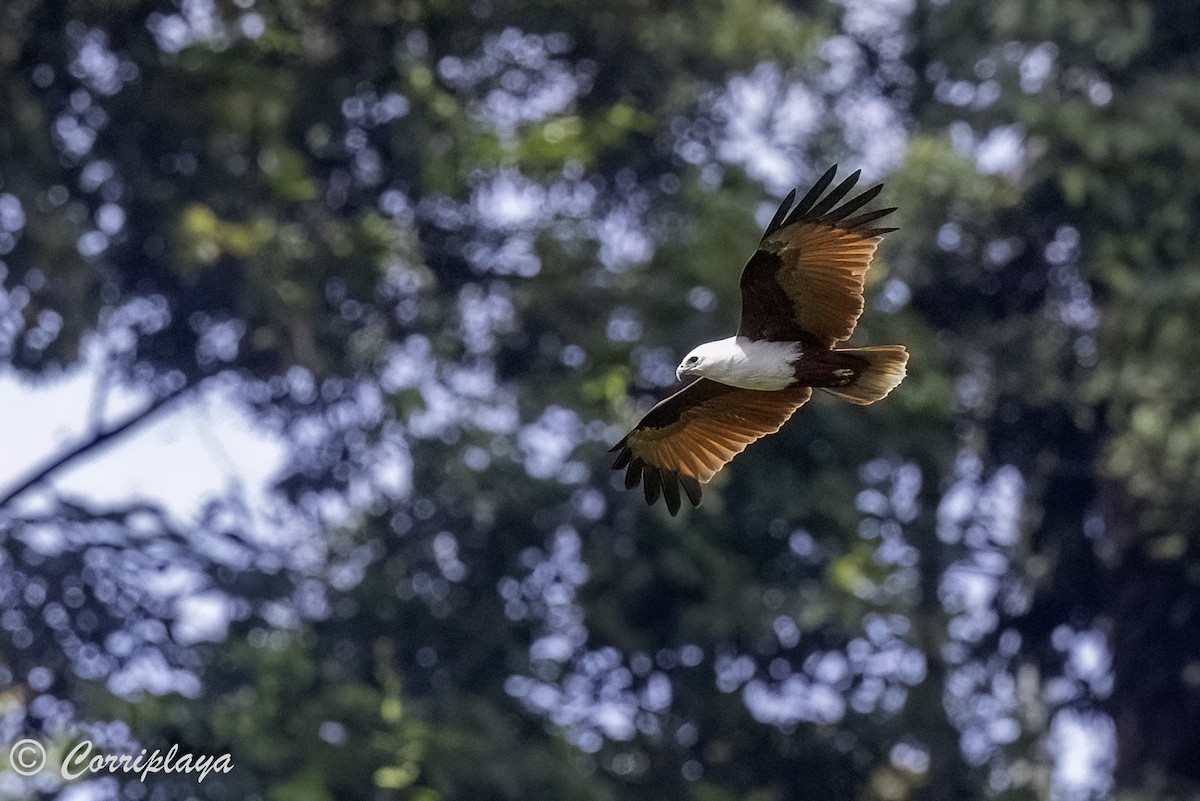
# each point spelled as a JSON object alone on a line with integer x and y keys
{"x": 814, "y": 208}
{"x": 657, "y": 482}
{"x": 838, "y": 192}
{"x": 692, "y": 487}
{"x": 863, "y": 219}
{"x": 810, "y": 197}
{"x": 634, "y": 474}
{"x": 670, "y": 488}
{"x": 651, "y": 483}
{"x": 780, "y": 215}
{"x": 853, "y": 204}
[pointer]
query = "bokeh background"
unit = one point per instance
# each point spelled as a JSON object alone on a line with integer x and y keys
{"x": 317, "y": 319}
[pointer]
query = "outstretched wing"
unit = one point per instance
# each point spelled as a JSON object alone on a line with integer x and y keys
{"x": 691, "y": 435}
{"x": 805, "y": 281}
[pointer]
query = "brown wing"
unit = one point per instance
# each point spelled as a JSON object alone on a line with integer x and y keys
{"x": 691, "y": 435}
{"x": 805, "y": 282}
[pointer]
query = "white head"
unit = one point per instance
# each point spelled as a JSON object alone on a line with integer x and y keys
{"x": 741, "y": 362}
{"x": 702, "y": 360}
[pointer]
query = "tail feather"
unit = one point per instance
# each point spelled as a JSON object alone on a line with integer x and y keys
{"x": 884, "y": 371}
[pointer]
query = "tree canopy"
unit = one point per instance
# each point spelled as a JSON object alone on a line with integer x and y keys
{"x": 444, "y": 252}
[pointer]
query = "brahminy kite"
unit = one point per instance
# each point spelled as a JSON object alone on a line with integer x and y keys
{"x": 802, "y": 293}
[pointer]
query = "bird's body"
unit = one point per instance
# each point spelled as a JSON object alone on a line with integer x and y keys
{"x": 802, "y": 293}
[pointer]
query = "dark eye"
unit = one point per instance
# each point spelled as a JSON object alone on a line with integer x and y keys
{"x": 693, "y": 359}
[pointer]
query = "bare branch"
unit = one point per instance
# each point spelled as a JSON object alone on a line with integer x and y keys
{"x": 100, "y": 437}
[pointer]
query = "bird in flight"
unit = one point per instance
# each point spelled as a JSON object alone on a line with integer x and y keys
{"x": 802, "y": 294}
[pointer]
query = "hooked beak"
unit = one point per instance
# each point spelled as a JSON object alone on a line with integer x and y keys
{"x": 681, "y": 371}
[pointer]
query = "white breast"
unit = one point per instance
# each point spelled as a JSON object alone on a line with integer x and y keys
{"x": 750, "y": 364}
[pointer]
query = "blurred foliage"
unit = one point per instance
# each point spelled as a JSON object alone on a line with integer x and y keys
{"x": 443, "y": 251}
